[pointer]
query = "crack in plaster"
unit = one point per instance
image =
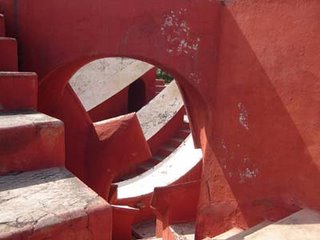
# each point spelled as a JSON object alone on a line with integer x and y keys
{"x": 243, "y": 116}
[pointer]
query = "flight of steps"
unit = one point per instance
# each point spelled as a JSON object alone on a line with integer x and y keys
{"x": 167, "y": 148}
{"x": 164, "y": 151}
{"x": 39, "y": 198}
{"x": 302, "y": 225}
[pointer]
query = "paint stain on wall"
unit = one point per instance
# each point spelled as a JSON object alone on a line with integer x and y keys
{"x": 176, "y": 30}
{"x": 248, "y": 174}
{"x": 243, "y": 116}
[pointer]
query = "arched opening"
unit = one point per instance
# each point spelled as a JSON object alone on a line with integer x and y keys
{"x": 132, "y": 147}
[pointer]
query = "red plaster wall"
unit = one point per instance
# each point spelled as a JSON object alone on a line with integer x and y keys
{"x": 265, "y": 115}
{"x": 115, "y": 106}
{"x": 118, "y": 104}
{"x": 251, "y": 86}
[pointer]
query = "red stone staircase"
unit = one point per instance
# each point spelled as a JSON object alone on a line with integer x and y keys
{"x": 39, "y": 198}
{"x": 164, "y": 151}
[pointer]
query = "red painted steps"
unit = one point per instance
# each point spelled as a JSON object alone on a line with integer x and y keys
{"x": 9, "y": 54}
{"x": 19, "y": 91}
{"x": 30, "y": 141}
{"x": 51, "y": 204}
{"x": 164, "y": 151}
{"x": 2, "y": 26}
{"x": 38, "y": 201}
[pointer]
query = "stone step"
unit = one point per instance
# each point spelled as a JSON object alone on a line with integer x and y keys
{"x": 9, "y": 54}
{"x": 51, "y": 204}
{"x": 304, "y": 224}
{"x": 149, "y": 164}
{"x": 19, "y": 91}
{"x": 144, "y": 230}
{"x": 30, "y": 141}
{"x": 175, "y": 142}
{"x": 2, "y": 26}
{"x": 242, "y": 235}
{"x": 185, "y": 231}
{"x": 182, "y": 231}
{"x": 179, "y": 164}
{"x": 158, "y": 158}
{"x": 151, "y": 238}
{"x": 165, "y": 151}
{"x": 228, "y": 234}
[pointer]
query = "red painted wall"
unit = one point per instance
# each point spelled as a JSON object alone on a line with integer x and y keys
{"x": 115, "y": 106}
{"x": 264, "y": 136}
{"x": 249, "y": 75}
{"x": 118, "y": 104}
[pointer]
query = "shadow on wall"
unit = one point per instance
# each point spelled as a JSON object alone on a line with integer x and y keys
{"x": 257, "y": 165}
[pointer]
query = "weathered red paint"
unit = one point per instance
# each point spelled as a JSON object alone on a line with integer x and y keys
{"x": 251, "y": 87}
{"x": 19, "y": 91}
{"x": 265, "y": 131}
{"x": 9, "y": 57}
{"x": 31, "y": 146}
{"x": 31, "y": 141}
{"x": 92, "y": 225}
{"x": 115, "y": 106}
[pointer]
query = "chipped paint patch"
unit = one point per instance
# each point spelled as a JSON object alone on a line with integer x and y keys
{"x": 243, "y": 116}
{"x": 248, "y": 174}
{"x": 195, "y": 77}
{"x": 226, "y": 155}
{"x": 223, "y": 145}
{"x": 176, "y": 30}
